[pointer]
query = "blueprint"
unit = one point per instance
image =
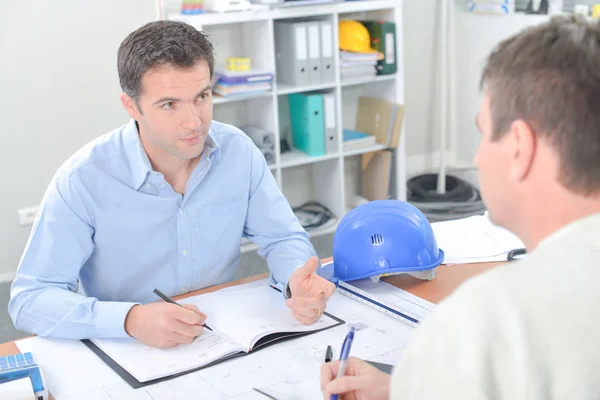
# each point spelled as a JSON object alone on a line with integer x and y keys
{"x": 287, "y": 370}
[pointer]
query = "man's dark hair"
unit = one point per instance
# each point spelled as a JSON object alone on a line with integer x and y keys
{"x": 158, "y": 44}
{"x": 549, "y": 76}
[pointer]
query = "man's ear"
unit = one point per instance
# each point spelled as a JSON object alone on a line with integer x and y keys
{"x": 130, "y": 106}
{"x": 522, "y": 148}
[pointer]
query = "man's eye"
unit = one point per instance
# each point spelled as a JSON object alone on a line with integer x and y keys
{"x": 169, "y": 105}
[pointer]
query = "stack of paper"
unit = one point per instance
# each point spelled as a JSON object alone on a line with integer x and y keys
{"x": 231, "y": 83}
{"x": 473, "y": 240}
{"x": 354, "y": 140}
{"x": 358, "y": 65}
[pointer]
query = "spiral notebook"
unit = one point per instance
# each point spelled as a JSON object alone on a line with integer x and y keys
{"x": 243, "y": 319}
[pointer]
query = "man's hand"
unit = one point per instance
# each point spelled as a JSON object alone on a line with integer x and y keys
{"x": 164, "y": 324}
{"x": 361, "y": 381}
{"x": 310, "y": 293}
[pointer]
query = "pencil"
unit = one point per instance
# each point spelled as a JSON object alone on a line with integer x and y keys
{"x": 170, "y": 300}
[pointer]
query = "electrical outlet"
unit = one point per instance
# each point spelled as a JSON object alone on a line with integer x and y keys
{"x": 27, "y": 215}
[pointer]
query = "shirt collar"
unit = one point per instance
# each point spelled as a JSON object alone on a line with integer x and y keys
{"x": 139, "y": 161}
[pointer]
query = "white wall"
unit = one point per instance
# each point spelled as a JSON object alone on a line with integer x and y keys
{"x": 58, "y": 90}
{"x": 421, "y": 83}
{"x": 476, "y": 35}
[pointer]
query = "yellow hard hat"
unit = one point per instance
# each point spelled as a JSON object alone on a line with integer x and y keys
{"x": 354, "y": 37}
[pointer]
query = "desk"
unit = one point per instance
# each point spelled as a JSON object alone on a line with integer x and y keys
{"x": 447, "y": 279}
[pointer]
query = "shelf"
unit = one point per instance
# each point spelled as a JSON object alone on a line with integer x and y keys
{"x": 247, "y": 245}
{"x": 296, "y": 157}
{"x": 364, "y": 150}
{"x": 263, "y": 13}
{"x": 283, "y": 89}
{"x": 368, "y": 79}
{"x": 240, "y": 97}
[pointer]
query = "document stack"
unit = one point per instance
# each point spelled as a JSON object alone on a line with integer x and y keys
{"x": 238, "y": 83}
{"x": 358, "y": 65}
{"x": 358, "y": 58}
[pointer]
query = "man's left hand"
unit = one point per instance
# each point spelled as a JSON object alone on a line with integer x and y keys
{"x": 310, "y": 293}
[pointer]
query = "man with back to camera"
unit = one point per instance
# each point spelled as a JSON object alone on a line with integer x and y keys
{"x": 162, "y": 202}
{"x": 528, "y": 329}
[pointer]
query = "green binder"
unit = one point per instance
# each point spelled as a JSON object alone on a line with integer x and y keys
{"x": 308, "y": 123}
{"x": 383, "y": 39}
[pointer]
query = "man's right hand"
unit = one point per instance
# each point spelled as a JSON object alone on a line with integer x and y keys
{"x": 361, "y": 381}
{"x": 164, "y": 324}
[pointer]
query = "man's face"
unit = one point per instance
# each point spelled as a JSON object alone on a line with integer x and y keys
{"x": 492, "y": 162}
{"x": 175, "y": 109}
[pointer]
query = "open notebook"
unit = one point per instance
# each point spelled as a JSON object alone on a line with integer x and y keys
{"x": 244, "y": 318}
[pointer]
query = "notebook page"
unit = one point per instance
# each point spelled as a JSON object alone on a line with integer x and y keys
{"x": 248, "y": 312}
{"x": 146, "y": 363}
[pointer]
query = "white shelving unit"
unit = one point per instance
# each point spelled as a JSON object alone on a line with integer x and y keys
{"x": 332, "y": 179}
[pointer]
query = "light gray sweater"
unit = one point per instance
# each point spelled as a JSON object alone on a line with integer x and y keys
{"x": 524, "y": 330}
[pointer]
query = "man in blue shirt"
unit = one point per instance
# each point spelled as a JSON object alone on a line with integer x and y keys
{"x": 161, "y": 202}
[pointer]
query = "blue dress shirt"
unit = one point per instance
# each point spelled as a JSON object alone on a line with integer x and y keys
{"x": 110, "y": 229}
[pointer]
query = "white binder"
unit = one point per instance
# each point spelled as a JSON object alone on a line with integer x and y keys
{"x": 291, "y": 52}
{"x": 314, "y": 53}
{"x": 326, "y": 32}
{"x": 331, "y": 135}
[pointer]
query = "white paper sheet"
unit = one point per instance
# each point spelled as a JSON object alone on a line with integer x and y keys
{"x": 19, "y": 389}
{"x": 146, "y": 363}
{"x": 247, "y": 312}
{"x": 474, "y": 239}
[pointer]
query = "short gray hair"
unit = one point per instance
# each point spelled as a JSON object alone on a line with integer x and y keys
{"x": 157, "y": 44}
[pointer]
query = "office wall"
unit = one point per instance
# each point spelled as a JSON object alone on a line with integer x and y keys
{"x": 58, "y": 90}
{"x": 421, "y": 83}
{"x": 476, "y": 35}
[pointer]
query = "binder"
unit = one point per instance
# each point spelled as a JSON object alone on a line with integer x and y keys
{"x": 308, "y": 123}
{"x": 314, "y": 53}
{"x": 291, "y": 53}
{"x": 326, "y": 32}
{"x": 383, "y": 39}
{"x": 331, "y": 136}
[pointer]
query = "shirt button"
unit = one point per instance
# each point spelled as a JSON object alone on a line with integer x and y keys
{"x": 180, "y": 211}
{"x": 184, "y": 252}
{"x": 147, "y": 185}
{"x": 183, "y": 290}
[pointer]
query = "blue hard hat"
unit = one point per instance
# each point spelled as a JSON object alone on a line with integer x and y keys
{"x": 383, "y": 237}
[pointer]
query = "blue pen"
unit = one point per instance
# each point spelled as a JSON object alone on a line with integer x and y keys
{"x": 345, "y": 353}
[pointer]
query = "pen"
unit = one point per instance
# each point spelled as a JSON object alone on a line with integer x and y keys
{"x": 265, "y": 394}
{"x": 328, "y": 354}
{"x": 170, "y": 300}
{"x": 345, "y": 353}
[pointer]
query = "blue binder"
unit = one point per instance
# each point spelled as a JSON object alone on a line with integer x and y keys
{"x": 308, "y": 123}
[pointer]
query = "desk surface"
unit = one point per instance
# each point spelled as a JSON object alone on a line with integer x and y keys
{"x": 447, "y": 279}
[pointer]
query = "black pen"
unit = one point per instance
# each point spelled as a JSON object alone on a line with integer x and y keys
{"x": 328, "y": 354}
{"x": 170, "y": 300}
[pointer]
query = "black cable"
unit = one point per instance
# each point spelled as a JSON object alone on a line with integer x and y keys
{"x": 460, "y": 200}
{"x": 317, "y": 210}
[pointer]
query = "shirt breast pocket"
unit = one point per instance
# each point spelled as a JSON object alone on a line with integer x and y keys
{"x": 219, "y": 229}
